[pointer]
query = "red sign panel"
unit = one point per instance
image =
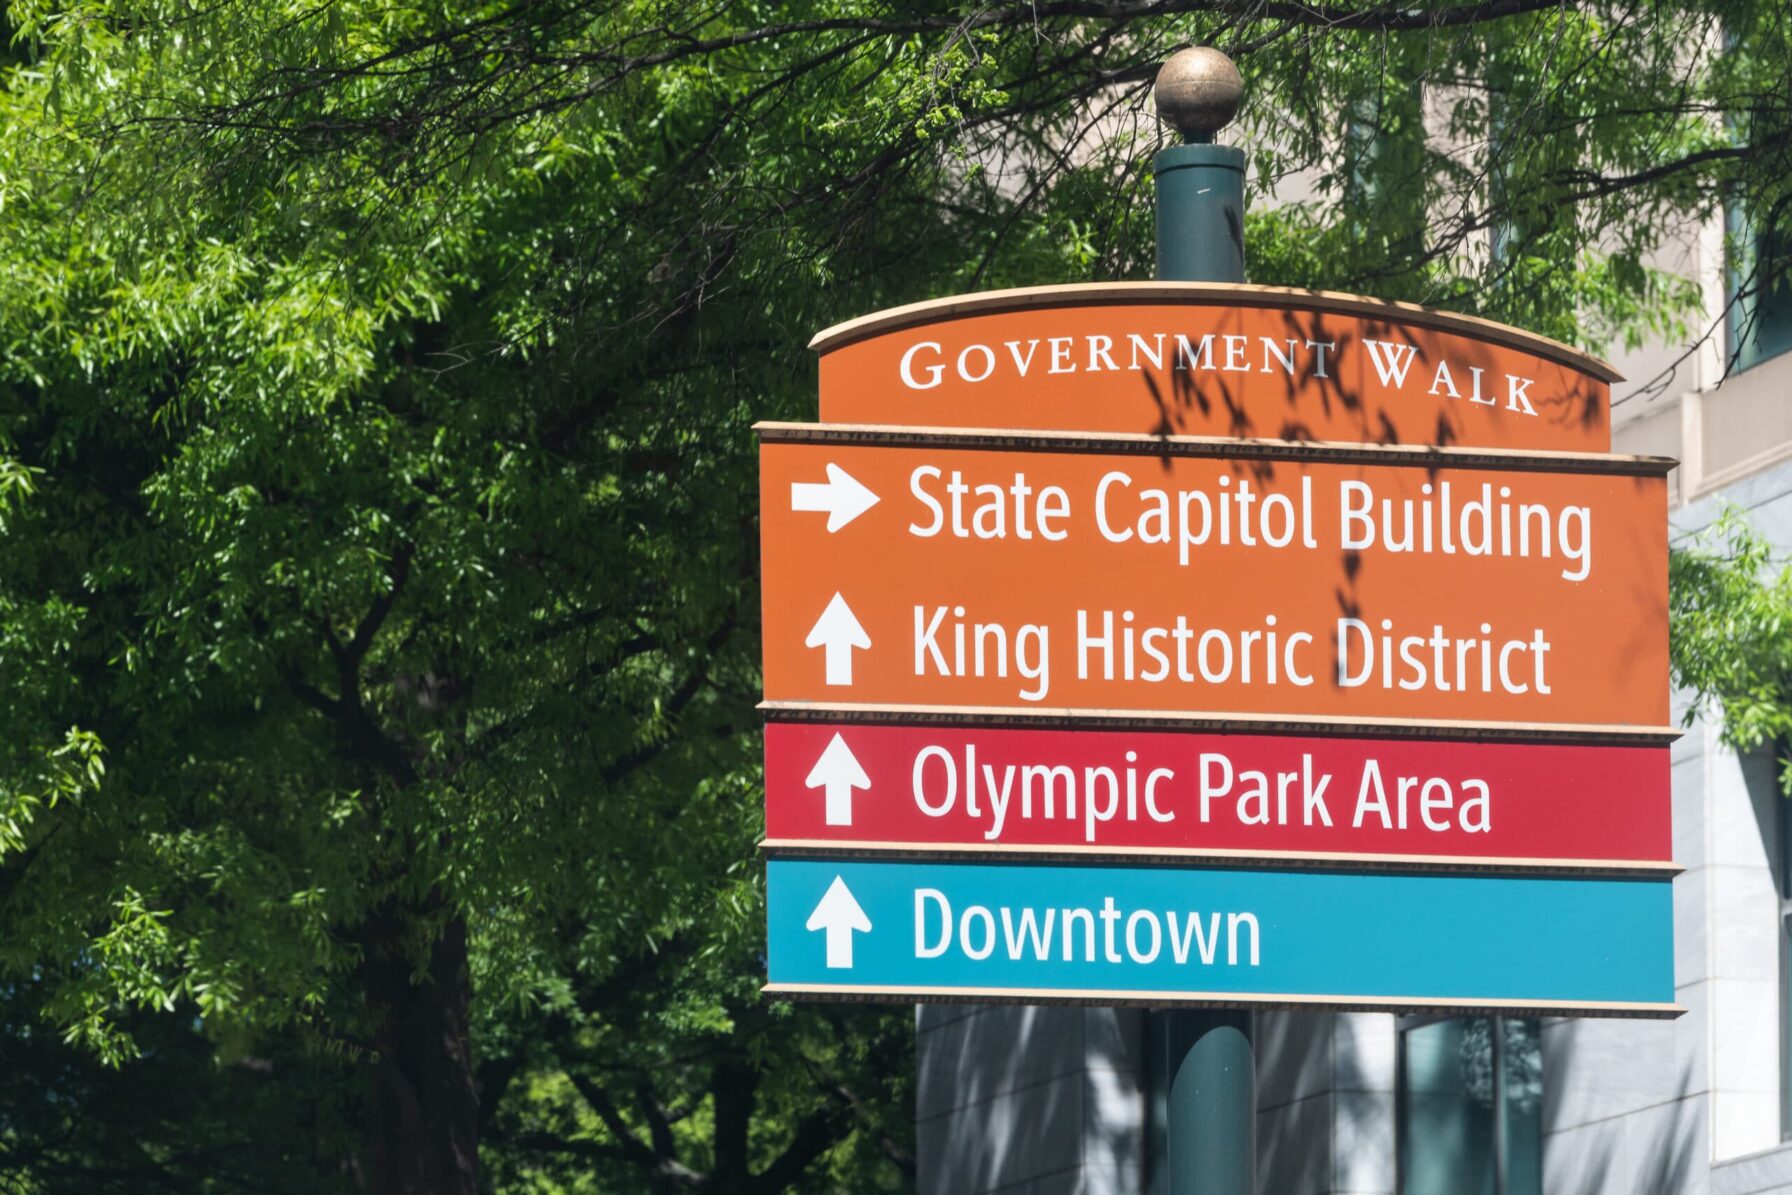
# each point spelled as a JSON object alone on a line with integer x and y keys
{"x": 985, "y": 789}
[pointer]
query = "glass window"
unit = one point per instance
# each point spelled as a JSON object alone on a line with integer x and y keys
{"x": 1471, "y": 1107}
{"x": 1385, "y": 182}
{"x": 1759, "y": 321}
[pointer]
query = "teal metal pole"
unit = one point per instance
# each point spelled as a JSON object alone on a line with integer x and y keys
{"x": 1210, "y": 1111}
{"x": 1210, "y": 1108}
{"x": 1200, "y": 213}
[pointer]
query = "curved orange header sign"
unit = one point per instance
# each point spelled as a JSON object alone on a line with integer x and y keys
{"x": 1205, "y": 359}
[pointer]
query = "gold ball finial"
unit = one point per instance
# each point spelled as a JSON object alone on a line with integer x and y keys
{"x": 1198, "y": 90}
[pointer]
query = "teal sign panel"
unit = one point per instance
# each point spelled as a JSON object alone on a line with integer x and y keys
{"x": 1157, "y": 935}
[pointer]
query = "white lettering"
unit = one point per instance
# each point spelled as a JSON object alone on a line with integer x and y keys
{"x": 934, "y": 372}
{"x": 1391, "y": 361}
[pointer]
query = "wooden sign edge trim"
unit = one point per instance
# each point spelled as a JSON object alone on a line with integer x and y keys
{"x": 1316, "y": 724}
{"x": 1108, "y": 294}
{"x": 922, "y": 994}
{"x": 882, "y": 435}
{"x": 1221, "y": 857}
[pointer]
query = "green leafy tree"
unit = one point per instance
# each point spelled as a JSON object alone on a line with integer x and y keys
{"x": 1731, "y": 610}
{"x": 378, "y": 610}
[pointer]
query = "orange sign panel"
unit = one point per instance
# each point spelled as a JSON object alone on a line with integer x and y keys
{"x": 929, "y": 574}
{"x": 1201, "y": 359}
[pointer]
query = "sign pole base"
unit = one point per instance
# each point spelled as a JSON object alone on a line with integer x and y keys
{"x": 1212, "y": 1102}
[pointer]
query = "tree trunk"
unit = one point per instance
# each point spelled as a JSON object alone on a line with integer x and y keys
{"x": 423, "y": 1123}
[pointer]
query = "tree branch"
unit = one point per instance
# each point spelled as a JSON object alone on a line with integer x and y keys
{"x": 631, "y": 1146}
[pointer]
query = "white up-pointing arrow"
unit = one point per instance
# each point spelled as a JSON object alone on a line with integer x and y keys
{"x": 839, "y": 632}
{"x": 839, "y": 914}
{"x": 838, "y": 773}
{"x": 841, "y": 496}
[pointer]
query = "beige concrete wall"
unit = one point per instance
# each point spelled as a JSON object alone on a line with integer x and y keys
{"x": 1721, "y": 436}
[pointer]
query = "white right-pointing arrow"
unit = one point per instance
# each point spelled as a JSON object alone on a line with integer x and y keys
{"x": 839, "y": 914}
{"x": 837, "y": 772}
{"x": 842, "y": 496}
{"x": 838, "y": 632}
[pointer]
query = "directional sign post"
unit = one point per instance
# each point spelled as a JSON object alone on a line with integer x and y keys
{"x": 1209, "y": 647}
